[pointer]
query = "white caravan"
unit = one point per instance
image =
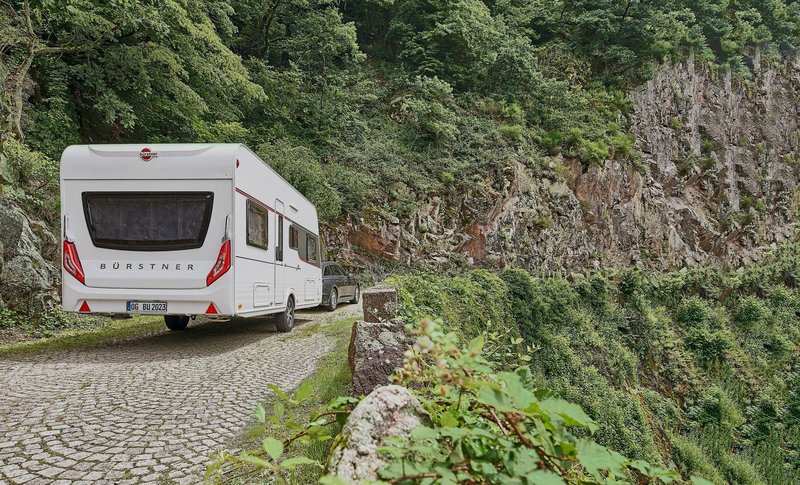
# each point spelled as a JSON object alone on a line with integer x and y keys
{"x": 185, "y": 230}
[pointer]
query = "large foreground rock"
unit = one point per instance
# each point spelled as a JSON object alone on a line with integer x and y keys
{"x": 27, "y": 278}
{"x": 387, "y": 411}
{"x": 376, "y": 350}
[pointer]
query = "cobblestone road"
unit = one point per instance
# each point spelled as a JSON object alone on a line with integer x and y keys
{"x": 148, "y": 410}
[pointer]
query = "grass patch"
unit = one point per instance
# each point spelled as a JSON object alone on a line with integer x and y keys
{"x": 331, "y": 379}
{"x": 109, "y": 331}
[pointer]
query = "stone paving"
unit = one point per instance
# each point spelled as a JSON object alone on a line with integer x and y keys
{"x": 150, "y": 410}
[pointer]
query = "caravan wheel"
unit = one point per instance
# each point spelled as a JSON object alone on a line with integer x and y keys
{"x": 176, "y": 322}
{"x": 285, "y": 320}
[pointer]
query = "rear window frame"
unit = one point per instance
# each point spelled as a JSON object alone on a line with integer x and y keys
{"x": 199, "y": 242}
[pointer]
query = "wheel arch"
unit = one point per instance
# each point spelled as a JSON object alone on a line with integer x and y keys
{"x": 290, "y": 293}
{"x": 330, "y": 292}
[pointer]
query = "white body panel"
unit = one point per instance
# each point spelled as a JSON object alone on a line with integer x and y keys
{"x": 258, "y": 282}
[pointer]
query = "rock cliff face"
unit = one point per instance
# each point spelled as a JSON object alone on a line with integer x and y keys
{"x": 716, "y": 182}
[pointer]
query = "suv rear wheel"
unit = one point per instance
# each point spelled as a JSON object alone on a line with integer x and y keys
{"x": 285, "y": 320}
{"x": 333, "y": 299}
{"x": 356, "y": 294}
{"x": 176, "y": 322}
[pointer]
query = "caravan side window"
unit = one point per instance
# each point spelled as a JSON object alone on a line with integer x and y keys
{"x": 311, "y": 248}
{"x": 257, "y": 225}
{"x": 294, "y": 237}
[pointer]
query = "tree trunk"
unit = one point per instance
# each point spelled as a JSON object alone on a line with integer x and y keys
{"x": 17, "y": 100}
{"x": 268, "y": 23}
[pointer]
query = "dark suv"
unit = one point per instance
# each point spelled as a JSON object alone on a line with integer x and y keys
{"x": 338, "y": 285}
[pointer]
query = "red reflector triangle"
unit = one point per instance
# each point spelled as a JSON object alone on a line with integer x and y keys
{"x": 211, "y": 310}
{"x": 84, "y": 307}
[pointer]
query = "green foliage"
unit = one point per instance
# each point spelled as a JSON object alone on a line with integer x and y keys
{"x": 474, "y": 305}
{"x": 658, "y": 367}
{"x": 142, "y": 70}
{"x": 484, "y": 426}
{"x": 11, "y": 319}
{"x": 37, "y": 177}
{"x": 45, "y": 325}
{"x": 270, "y": 459}
{"x": 489, "y": 427}
{"x": 467, "y": 303}
{"x": 751, "y": 312}
{"x": 287, "y": 414}
{"x": 691, "y": 460}
{"x": 708, "y": 357}
{"x": 300, "y": 167}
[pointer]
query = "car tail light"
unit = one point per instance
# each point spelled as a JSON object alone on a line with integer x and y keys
{"x": 222, "y": 265}
{"x": 72, "y": 263}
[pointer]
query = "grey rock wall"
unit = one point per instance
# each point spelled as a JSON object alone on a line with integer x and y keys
{"x": 29, "y": 267}
{"x": 716, "y": 182}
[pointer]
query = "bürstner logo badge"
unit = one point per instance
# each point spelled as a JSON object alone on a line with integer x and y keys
{"x": 147, "y": 155}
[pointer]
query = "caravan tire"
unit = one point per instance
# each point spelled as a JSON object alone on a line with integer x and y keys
{"x": 285, "y": 320}
{"x": 176, "y": 322}
{"x": 333, "y": 299}
{"x": 356, "y": 295}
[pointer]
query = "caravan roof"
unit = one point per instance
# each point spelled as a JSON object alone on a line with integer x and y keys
{"x": 163, "y": 161}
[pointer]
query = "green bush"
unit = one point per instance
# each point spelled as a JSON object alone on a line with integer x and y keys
{"x": 512, "y": 132}
{"x": 716, "y": 409}
{"x": 468, "y": 304}
{"x": 428, "y": 106}
{"x": 693, "y": 460}
{"x": 675, "y": 124}
{"x": 38, "y": 179}
{"x": 751, "y": 313}
{"x": 694, "y": 312}
{"x": 709, "y": 346}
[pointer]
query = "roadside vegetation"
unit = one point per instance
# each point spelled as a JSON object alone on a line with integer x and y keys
{"x": 282, "y": 415}
{"x": 22, "y": 335}
{"x": 472, "y": 409}
{"x": 695, "y": 370}
{"x": 689, "y": 375}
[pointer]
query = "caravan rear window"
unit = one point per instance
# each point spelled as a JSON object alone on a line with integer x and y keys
{"x": 148, "y": 221}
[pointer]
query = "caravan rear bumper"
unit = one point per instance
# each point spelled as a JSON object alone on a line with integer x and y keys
{"x": 179, "y": 302}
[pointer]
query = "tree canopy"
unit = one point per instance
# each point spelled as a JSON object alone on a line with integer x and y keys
{"x": 367, "y": 87}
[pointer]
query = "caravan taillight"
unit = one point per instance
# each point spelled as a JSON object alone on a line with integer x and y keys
{"x": 222, "y": 265}
{"x": 72, "y": 263}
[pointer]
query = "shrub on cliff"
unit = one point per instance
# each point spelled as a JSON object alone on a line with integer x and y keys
{"x": 478, "y": 303}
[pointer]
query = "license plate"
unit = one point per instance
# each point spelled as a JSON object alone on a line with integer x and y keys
{"x": 156, "y": 307}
